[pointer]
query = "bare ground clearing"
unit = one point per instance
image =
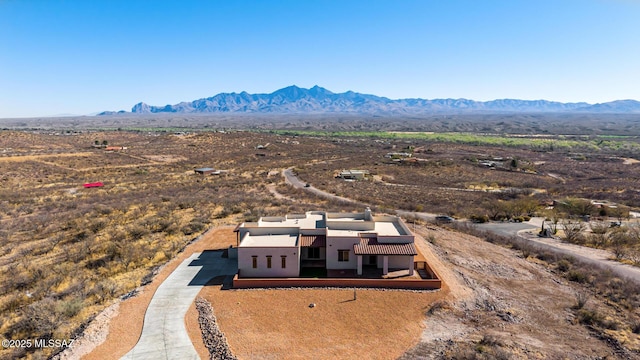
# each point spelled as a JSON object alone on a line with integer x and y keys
{"x": 523, "y": 307}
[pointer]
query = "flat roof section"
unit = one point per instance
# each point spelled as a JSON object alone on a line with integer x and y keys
{"x": 346, "y": 233}
{"x": 388, "y": 228}
{"x": 309, "y": 222}
{"x": 285, "y": 240}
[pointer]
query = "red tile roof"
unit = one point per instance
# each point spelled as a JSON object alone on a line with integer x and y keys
{"x": 371, "y": 246}
{"x": 313, "y": 240}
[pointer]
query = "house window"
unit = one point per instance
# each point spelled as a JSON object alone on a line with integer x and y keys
{"x": 268, "y": 261}
{"x": 313, "y": 253}
{"x": 255, "y": 261}
{"x": 284, "y": 261}
{"x": 343, "y": 255}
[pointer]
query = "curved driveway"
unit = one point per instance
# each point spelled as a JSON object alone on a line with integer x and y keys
{"x": 164, "y": 335}
{"x": 588, "y": 255}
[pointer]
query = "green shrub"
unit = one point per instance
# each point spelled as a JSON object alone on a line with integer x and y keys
{"x": 193, "y": 227}
{"x": 589, "y": 317}
{"x": 479, "y": 218}
{"x": 69, "y": 308}
{"x": 581, "y": 300}
{"x": 563, "y": 265}
{"x": 577, "y": 276}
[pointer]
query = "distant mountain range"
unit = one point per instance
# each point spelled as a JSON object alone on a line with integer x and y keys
{"x": 294, "y": 99}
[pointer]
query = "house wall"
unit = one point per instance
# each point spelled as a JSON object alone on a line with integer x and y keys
{"x": 357, "y": 216}
{"x": 341, "y": 243}
{"x": 303, "y": 254}
{"x": 433, "y": 284}
{"x": 400, "y": 262}
{"x": 351, "y": 225}
{"x": 245, "y": 261}
{"x": 366, "y": 260}
{"x": 322, "y": 231}
{"x": 267, "y": 231}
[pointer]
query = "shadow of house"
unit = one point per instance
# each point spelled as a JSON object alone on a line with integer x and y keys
{"x": 209, "y": 274}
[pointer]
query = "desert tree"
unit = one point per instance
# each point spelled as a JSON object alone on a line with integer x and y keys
{"x": 553, "y": 217}
{"x": 574, "y": 206}
{"x": 572, "y": 230}
{"x": 621, "y": 238}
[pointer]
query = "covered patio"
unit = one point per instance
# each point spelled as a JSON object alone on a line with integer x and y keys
{"x": 401, "y": 253}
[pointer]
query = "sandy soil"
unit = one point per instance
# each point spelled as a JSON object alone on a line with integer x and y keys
{"x": 279, "y": 324}
{"x": 516, "y": 301}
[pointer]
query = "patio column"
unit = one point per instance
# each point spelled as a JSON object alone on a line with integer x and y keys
{"x": 359, "y": 264}
{"x": 410, "y": 265}
{"x": 385, "y": 265}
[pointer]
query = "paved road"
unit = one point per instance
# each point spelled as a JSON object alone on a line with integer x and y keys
{"x": 584, "y": 254}
{"x": 589, "y": 255}
{"x": 293, "y": 180}
{"x": 506, "y": 228}
{"x": 164, "y": 335}
{"x": 597, "y": 257}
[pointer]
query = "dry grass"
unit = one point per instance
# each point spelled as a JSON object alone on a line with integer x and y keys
{"x": 125, "y": 328}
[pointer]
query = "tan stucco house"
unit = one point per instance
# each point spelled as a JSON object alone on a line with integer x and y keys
{"x": 284, "y": 246}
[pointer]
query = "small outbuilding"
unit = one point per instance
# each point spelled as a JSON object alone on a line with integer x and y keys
{"x": 93, "y": 184}
{"x": 206, "y": 171}
{"x": 353, "y": 174}
{"x": 115, "y": 148}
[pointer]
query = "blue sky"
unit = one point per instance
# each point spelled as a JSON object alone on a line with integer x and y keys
{"x": 82, "y": 57}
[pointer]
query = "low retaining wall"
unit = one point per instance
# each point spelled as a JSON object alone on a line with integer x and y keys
{"x": 413, "y": 284}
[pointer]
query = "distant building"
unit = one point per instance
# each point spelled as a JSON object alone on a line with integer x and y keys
{"x": 396, "y": 155}
{"x": 207, "y": 171}
{"x": 115, "y": 148}
{"x": 93, "y": 184}
{"x": 283, "y": 246}
{"x": 353, "y": 174}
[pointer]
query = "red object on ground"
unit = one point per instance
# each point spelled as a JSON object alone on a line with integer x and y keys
{"x": 93, "y": 184}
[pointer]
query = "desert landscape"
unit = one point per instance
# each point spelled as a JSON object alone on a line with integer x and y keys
{"x": 71, "y": 251}
{"x": 319, "y": 180}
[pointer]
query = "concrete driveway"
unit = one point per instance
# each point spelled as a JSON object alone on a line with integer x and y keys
{"x": 164, "y": 335}
{"x": 596, "y": 257}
